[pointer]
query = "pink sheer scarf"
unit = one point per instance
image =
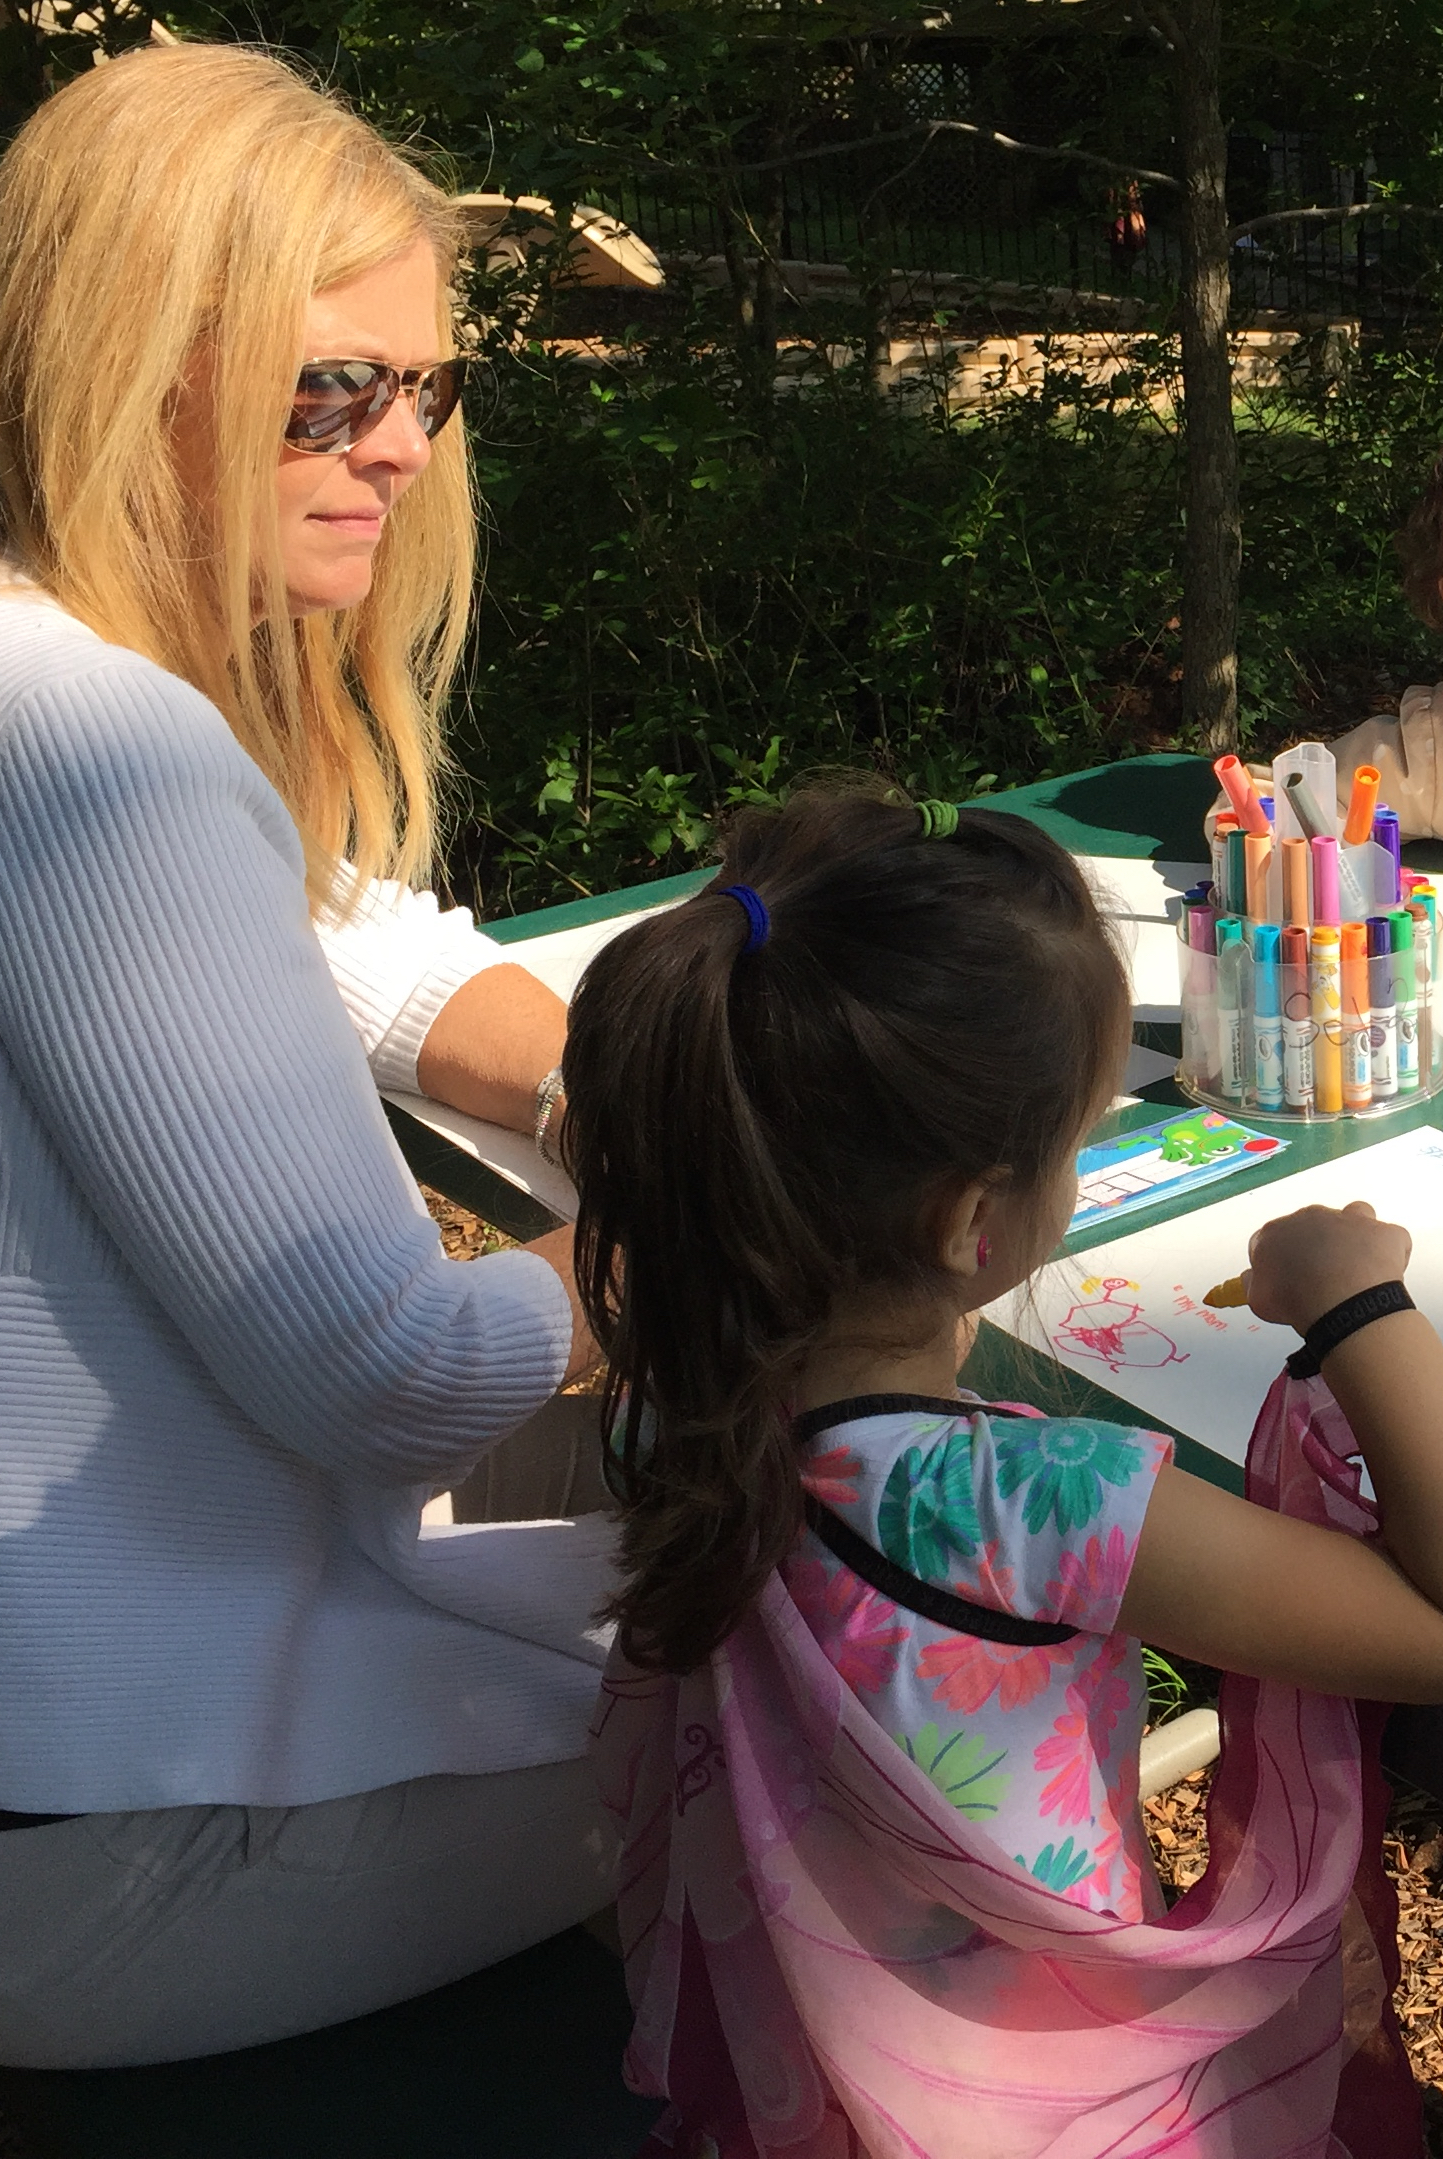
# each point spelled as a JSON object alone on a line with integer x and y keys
{"x": 827, "y": 1961}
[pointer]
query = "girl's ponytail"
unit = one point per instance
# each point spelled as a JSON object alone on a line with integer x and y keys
{"x": 771, "y": 1090}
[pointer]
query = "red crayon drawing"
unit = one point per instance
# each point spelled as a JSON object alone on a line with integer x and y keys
{"x": 1112, "y": 1329}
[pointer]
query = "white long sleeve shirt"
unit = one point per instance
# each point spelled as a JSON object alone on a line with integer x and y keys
{"x": 234, "y": 1360}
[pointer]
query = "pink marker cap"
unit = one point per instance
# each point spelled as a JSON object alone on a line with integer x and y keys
{"x": 1326, "y": 906}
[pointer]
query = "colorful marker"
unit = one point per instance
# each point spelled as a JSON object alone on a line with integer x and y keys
{"x": 1405, "y": 998}
{"x": 1237, "y": 871}
{"x": 1315, "y": 825}
{"x": 1326, "y": 906}
{"x": 1357, "y": 1046}
{"x": 1259, "y": 861}
{"x": 1232, "y": 1033}
{"x": 1267, "y": 1016}
{"x": 1298, "y": 1079}
{"x": 1199, "y": 1005}
{"x": 1358, "y": 826}
{"x": 1327, "y": 1002}
{"x": 1422, "y": 945}
{"x": 1295, "y": 883}
{"x": 1383, "y": 1009}
{"x": 1238, "y": 786}
{"x": 1225, "y": 824}
{"x": 1386, "y": 834}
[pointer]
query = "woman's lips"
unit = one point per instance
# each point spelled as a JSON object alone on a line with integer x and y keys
{"x": 355, "y": 524}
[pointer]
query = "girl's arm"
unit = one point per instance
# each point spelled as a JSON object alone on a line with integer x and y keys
{"x": 1237, "y": 1586}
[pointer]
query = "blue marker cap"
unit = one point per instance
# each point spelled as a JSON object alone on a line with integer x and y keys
{"x": 1270, "y": 808}
{"x": 1267, "y": 951}
{"x": 1380, "y": 937}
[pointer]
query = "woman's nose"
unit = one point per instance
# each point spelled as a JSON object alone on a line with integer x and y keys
{"x": 398, "y": 442}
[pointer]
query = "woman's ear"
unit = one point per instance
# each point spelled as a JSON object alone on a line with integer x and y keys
{"x": 964, "y": 1241}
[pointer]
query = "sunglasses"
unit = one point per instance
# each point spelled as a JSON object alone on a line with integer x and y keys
{"x": 338, "y": 402}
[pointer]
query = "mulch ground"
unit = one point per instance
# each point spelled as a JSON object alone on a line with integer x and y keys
{"x": 1413, "y": 1855}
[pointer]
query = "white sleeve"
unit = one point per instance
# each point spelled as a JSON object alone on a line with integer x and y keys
{"x": 397, "y": 957}
{"x": 166, "y": 1006}
{"x": 1405, "y": 751}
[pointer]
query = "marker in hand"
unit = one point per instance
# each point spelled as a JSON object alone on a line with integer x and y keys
{"x": 1226, "y": 1296}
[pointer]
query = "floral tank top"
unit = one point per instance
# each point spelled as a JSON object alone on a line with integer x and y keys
{"x": 1038, "y": 1516}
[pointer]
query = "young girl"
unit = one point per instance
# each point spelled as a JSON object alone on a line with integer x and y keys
{"x": 872, "y": 1721}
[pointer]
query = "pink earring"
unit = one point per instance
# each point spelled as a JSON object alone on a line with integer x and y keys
{"x": 984, "y": 1251}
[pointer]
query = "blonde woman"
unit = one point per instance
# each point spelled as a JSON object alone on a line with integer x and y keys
{"x": 269, "y": 1755}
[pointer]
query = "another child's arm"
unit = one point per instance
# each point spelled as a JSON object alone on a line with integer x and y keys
{"x": 1237, "y": 1586}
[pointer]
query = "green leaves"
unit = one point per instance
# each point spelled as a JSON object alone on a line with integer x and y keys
{"x": 682, "y": 614}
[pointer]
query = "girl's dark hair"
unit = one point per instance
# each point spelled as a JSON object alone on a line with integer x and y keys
{"x": 1420, "y": 550}
{"x": 755, "y": 1139}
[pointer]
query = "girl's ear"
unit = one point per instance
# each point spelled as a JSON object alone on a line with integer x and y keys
{"x": 967, "y": 1227}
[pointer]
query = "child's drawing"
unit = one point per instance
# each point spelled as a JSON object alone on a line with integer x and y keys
{"x": 1112, "y": 1329}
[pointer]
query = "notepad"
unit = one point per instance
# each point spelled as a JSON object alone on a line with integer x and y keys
{"x": 1164, "y": 1161}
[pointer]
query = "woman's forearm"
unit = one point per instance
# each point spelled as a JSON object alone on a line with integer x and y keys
{"x": 491, "y": 1045}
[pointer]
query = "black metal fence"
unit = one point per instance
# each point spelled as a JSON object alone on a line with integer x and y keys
{"x": 961, "y": 207}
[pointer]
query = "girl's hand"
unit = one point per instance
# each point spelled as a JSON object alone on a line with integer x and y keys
{"x": 1305, "y": 1263}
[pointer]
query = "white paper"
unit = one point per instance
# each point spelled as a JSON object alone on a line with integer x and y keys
{"x": 1138, "y": 887}
{"x": 1129, "y": 1314}
{"x": 1144, "y": 1066}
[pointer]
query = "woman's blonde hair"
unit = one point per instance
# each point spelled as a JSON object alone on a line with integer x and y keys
{"x": 164, "y": 221}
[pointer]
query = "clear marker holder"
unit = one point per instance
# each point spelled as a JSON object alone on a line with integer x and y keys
{"x": 1274, "y": 1065}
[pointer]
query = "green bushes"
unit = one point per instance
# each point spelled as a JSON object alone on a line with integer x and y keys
{"x": 689, "y": 601}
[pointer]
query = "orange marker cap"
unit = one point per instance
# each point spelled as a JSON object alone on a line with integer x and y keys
{"x": 1237, "y": 785}
{"x": 1361, "y": 805}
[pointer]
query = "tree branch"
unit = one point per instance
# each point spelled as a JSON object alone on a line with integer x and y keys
{"x": 1341, "y": 213}
{"x": 930, "y": 128}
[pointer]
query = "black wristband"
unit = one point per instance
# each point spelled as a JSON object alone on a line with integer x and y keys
{"x": 1346, "y": 1318}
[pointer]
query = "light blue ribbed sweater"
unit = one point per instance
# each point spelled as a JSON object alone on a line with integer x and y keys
{"x": 234, "y": 1360}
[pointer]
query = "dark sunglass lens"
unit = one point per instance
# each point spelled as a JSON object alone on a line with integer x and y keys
{"x": 437, "y": 395}
{"x": 335, "y": 406}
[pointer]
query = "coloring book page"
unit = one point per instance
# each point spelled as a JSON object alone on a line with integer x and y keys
{"x": 1129, "y": 1315}
{"x": 1152, "y": 1162}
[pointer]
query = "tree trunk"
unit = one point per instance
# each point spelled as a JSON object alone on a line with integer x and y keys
{"x": 1213, "y": 551}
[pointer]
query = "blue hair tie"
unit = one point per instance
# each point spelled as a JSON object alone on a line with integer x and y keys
{"x": 755, "y": 911}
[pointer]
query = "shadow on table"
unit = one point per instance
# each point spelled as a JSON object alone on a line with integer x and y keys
{"x": 519, "y": 2062}
{"x": 1157, "y": 804}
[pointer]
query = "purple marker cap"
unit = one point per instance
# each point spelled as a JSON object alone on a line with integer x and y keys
{"x": 1387, "y": 834}
{"x": 1327, "y": 908}
{"x": 1201, "y": 931}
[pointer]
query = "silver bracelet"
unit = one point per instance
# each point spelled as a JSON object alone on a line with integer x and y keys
{"x": 548, "y": 1094}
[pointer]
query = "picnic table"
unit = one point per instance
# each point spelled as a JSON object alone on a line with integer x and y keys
{"x": 1141, "y": 810}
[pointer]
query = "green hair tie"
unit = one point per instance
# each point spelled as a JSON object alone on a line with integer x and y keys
{"x": 939, "y": 819}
